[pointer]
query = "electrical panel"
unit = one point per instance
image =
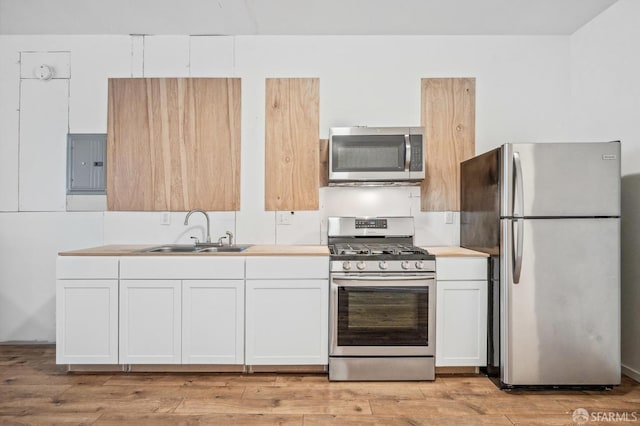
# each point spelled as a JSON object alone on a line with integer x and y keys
{"x": 86, "y": 163}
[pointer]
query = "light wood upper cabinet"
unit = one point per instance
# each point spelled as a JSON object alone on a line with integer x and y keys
{"x": 291, "y": 144}
{"x": 173, "y": 144}
{"x": 448, "y": 114}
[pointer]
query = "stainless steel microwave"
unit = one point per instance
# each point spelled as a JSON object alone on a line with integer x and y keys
{"x": 376, "y": 155}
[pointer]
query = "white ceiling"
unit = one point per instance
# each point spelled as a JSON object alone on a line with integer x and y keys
{"x": 300, "y": 17}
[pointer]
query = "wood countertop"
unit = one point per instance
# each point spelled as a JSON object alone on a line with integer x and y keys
{"x": 255, "y": 250}
{"x": 454, "y": 251}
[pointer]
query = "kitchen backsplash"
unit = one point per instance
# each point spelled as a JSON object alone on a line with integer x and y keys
{"x": 299, "y": 227}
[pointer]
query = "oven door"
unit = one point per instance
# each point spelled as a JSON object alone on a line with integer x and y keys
{"x": 382, "y": 314}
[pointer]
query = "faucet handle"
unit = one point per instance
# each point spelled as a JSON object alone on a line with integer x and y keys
{"x": 196, "y": 240}
{"x": 230, "y": 235}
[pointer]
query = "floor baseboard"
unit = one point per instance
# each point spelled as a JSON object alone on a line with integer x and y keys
{"x": 631, "y": 373}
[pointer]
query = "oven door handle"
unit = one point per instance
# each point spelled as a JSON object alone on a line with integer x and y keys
{"x": 383, "y": 282}
{"x": 386, "y": 289}
{"x": 386, "y": 278}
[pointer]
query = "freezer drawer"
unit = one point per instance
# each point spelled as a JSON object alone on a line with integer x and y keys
{"x": 561, "y": 319}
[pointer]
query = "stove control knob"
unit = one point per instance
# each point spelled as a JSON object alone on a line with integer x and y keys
{"x": 383, "y": 265}
{"x": 361, "y": 265}
{"x": 405, "y": 264}
{"x": 346, "y": 265}
{"x": 420, "y": 264}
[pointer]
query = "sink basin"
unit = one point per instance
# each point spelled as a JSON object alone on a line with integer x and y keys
{"x": 200, "y": 248}
{"x": 225, "y": 249}
{"x": 173, "y": 248}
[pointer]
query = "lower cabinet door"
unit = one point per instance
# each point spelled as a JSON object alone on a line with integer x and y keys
{"x": 87, "y": 321}
{"x": 150, "y": 320}
{"x": 287, "y": 322}
{"x": 213, "y": 322}
{"x": 461, "y": 323}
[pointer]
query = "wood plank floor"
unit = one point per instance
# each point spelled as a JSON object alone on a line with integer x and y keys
{"x": 33, "y": 390}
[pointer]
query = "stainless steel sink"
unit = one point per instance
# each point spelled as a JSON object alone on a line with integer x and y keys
{"x": 200, "y": 248}
{"x": 226, "y": 249}
{"x": 173, "y": 248}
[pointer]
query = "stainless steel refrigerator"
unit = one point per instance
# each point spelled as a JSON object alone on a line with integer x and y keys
{"x": 548, "y": 214}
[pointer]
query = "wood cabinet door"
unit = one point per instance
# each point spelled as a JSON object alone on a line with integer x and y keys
{"x": 173, "y": 144}
{"x": 292, "y": 144}
{"x": 448, "y": 115}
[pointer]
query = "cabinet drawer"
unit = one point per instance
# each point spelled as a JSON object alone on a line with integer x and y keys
{"x": 287, "y": 267}
{"x": 181, "y": 268}
{"x": 83, "y": 267}
{"x": 461, "y": 268}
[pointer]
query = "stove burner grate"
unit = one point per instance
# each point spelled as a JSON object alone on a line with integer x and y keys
{"x": 374, "y": 249}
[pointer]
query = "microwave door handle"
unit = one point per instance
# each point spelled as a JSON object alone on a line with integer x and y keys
{"x": 407, "y": 152}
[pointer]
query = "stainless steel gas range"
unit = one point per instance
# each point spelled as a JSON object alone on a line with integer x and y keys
{"x": 382, "y": 301}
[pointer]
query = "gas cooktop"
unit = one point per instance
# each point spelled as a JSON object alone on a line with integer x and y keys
{"x": 377, "y": 251}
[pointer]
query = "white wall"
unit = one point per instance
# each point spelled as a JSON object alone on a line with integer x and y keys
{"x": 605, "y": 89}
{"x": 605, "y": 66}
{"x": 523, "y": 93}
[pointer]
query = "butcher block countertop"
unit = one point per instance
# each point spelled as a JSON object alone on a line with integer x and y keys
{"x": 256, "y": 250}
{"x": 454, "y": 251}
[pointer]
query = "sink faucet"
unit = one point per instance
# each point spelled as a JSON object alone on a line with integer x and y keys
{"x": 186, "y": 222}
{"x": 228, "y": 235}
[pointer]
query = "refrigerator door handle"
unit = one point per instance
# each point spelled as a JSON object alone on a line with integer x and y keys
{"x": 518, "y": 186}
{"x": 518, "y": 193}
{"x": 517, "y": 248}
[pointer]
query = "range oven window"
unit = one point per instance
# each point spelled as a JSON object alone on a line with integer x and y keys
{"x": 383, "y": 316}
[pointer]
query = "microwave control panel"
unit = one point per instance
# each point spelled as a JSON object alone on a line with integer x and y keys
{"x": 416, "y": 153}
{"x": 371, "y": 223}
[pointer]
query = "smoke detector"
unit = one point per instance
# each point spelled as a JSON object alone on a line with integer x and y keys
{"x": 44, "y": 72}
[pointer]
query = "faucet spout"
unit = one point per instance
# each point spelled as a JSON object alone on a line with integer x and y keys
{"x": 186, "y": 221}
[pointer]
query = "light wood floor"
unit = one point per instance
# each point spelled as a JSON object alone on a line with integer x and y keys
{"x": 33, "y": 390}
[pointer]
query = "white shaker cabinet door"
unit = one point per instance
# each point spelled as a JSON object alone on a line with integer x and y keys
{"x": 213, "y": 322}
{"x": 87, "y": 321}
{"x": 461, "y": 311}
{"x": 461, "y": 323}
{"x": 150, "y": 321}
{"x": 287, "y": 322}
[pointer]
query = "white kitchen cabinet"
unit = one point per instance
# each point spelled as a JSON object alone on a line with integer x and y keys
{"x": 150, "y": 321}
{"x": 191, "y": 310}
{"x": 87, "y": 310}
{"x": 199, "y": 317}
{"x": 87, "y": 322}
{"x": 287, "y": 310}
{"x": 461, "y": 311}
{"x": 213, "y": 322}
